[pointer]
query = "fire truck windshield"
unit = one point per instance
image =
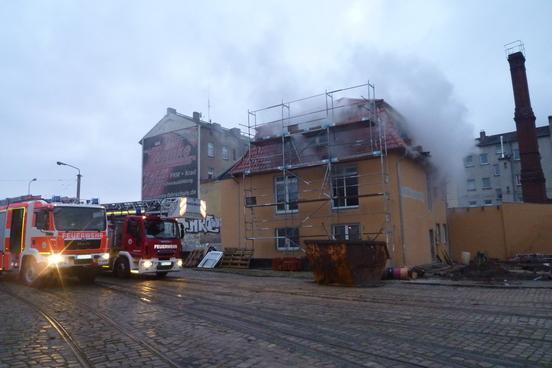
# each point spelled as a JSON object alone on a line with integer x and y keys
{"x": 161, "y": 229}
{"x": 79, "y": 218}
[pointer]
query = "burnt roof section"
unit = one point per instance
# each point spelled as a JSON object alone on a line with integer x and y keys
{"x": 489, "y": 140}
{"x": 352, "y": 136}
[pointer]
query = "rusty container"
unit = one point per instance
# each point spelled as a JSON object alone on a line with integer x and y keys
{"x": 347, "y": 262}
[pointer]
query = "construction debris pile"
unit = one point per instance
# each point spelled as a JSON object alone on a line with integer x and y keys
{"x": 483, "y": 268}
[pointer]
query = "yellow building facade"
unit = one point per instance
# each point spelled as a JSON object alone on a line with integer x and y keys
{"x": 402, "y": 207}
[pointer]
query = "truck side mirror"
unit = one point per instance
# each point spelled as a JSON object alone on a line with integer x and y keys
{"x": 182, "y": 230}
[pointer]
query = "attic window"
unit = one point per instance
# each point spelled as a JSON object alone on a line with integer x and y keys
{"x": 293, "y": 128}
{"x": 319, "y": 140}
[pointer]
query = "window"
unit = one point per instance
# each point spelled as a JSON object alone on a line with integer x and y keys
{"x": 499, "y": 195}
{"x": 471, "y": 185}
{"x": 41, "y": 221}
{"x": 505, "y": 165}
{"x": 161, "y": 229}
{"x": 516, "y": 154}
{"x": 485, "y": 183}
{"x": 345, "y": 187}
{"x": 286, "y": 194}
{"x": 498, "y": 150}
{"x": 210, "y": 149}
{"x": 346, "y": 232}
{"x": 488, "y": 202}
{"x": 293, "y": 128}
{"x": 445, "y": 233}
{"x": 79, "y": 219}
{"x": 319, "y": 139}
{"x": 496, "y": 170}
{"x": 483, "y": 159}
{"x": 468, "y": 161}
{"x": 437, "y": 233}
{"x": 210, "y": 173}
{"x": 518, "y": 179}
{"x": 473, "y": 203}
{"x": 225, "y": 153}
{"x": 287, "y": 238}
{"x": 234, "y": 154}
{"x": 133, "y": 230}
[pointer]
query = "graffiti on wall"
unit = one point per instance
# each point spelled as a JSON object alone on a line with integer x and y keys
{"x": 209, "y": 224}
{"x": 201, "y": 232}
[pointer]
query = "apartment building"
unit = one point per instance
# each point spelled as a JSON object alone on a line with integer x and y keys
{"x": 492, "y": 171}
{"x": 181, "y": 151}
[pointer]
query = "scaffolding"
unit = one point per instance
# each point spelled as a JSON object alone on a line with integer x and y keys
{"x": 304, "y": 130}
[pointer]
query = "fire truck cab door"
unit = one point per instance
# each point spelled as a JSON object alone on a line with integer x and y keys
{"x": 16, "y": 230}
{"x": 2, "y": 231}
{"x": 134, "y": 238}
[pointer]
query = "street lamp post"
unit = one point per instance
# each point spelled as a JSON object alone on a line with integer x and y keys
{"x": 29, "y": 186}
{"x": 78, "y": 177}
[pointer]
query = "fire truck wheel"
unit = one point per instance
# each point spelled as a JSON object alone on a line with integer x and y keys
{"x": 29, "y": 272}
{"x": 161, "y": 275}
{"x": 122, "y": 267}
{"x": 87, "y": 276}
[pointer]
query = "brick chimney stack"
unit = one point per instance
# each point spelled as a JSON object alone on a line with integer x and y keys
{"x": 532, "y": 177}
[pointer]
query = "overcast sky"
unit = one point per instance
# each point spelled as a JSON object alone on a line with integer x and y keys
{"x": 83, "y": 81}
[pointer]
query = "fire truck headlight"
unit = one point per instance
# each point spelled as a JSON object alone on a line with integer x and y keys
{"x": 105, "y": 256}
{"x": 179, "y": 263}
{"x": 147, "y": 264}
{"x": 55, "y": 259}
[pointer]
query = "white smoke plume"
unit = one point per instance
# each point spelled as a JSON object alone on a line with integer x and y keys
{"x": 435, "y": 118}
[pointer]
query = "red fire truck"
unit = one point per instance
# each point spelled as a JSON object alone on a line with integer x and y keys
{"x": 142, "y": 242}
{"x": 40, "y": 238}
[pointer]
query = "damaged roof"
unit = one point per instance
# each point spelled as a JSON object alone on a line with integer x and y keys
{"x": 352, "y": 135}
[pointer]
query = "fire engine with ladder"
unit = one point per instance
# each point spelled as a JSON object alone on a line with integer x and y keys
{"x": 145, "y": 236}
{"x": 41, "y": 238}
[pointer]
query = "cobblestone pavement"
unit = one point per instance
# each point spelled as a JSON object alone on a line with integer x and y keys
{"x": 211, "y": 319}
